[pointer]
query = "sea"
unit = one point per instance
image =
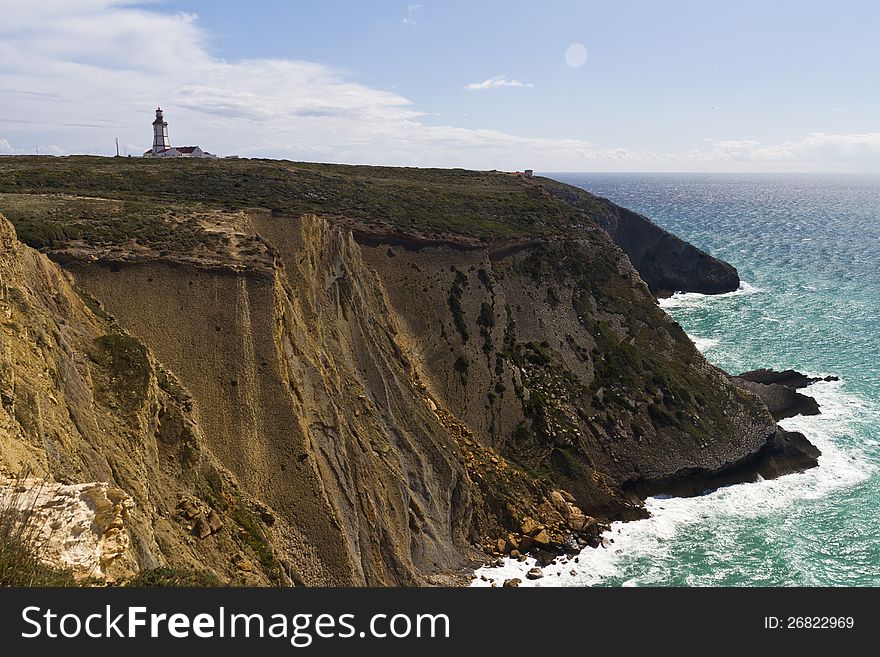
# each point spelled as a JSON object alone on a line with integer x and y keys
{"x": 807, "y": 248}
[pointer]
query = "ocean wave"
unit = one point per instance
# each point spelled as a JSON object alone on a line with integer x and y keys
{"x": 641, "y": 552}
{"x": 683, "y": 299}
{"x": 704, "y": 344}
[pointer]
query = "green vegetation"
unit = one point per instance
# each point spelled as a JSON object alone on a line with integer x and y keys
{"x": 179, "y": 577}
{"x": 107, "y": 200}
{"x": 256, "y": 540}
{"x": 50, "y": 222}
{"x": 128, "y": 366}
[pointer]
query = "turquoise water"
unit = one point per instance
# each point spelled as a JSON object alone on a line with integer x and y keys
{"x": 808, "y": 250}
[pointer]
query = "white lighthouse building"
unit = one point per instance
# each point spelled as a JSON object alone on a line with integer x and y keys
{"x": 160, "y": 133}
{"x": 162, "y": 146}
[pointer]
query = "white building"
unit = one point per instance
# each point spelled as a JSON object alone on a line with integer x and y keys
{"x": 162, "y": 146}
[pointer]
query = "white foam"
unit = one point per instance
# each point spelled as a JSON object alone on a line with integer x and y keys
{"x": 704, "y": 344}
{"x": 686, "y": 299}
{"x": 644, "y": 545}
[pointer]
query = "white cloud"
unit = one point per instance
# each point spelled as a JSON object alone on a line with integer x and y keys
{"x": 498, "y": 82}
{"x": 410, "y": 18}
{"x": 76, "y": 74}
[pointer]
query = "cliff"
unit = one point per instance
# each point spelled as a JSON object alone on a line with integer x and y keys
{"x": 665, "y": 262}
{"x": 355, "y": 399}
{"x": 120, "y": 479}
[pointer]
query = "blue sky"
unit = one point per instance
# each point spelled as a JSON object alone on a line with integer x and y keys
{"x": 675, "y": 85}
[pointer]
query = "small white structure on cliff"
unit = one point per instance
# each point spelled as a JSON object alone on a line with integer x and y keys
{"x": 162, "y": 146}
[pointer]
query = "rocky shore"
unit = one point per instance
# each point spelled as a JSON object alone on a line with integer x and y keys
{"x": 562, "y": 530}
{"x": 778, "y": 390}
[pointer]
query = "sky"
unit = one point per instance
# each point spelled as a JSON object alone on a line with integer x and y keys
{"x": 556, "y": 85}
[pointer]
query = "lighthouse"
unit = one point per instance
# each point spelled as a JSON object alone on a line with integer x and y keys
{"x": 160, "y": 133}
{"x": 162, "y": 146}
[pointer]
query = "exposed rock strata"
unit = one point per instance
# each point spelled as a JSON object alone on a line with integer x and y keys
{"x": 79, "y": 528}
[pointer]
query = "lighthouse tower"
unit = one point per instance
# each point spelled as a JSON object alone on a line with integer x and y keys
{"x": 160, "y": 133}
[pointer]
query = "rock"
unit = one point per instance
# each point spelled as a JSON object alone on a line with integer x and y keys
{"x": 542, "y": 538}
{"x": 513, "y": 541}
{"x": 530, "y": 526}
{"x": 782, "y": 401}
{"x": 788, "y": 378}
{"x": 559, "y": 502}
{"x": 246, "y": 565}
{"x": 572, "y": 572}
{"x": 214, "y": 521}
{"x": 545, "y": 557}
{"x": 511, "y": 583}
{"x": 188, "y": 509}
{"x": 521, "y": 558}
{"x": 584, "y": 524}
{"x": 80, "y": 528}
{"x": 535, "y": 573}
{"x": 567, "y": 496}
{"x": 549, "y": 514}
{"x": 501, "y": 546}
{"x": 576, "y": 522}
{"x": 514, "y": 554}
{"x": 526, "y": 543}
{"x": 267, "y": 517}
{"x": 201, "y": 529}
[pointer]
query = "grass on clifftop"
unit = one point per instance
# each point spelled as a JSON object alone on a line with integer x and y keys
{"x": 55, "y": 199}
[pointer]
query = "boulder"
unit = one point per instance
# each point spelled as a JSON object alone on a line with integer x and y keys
{"x": 549, "y": 514}
{"x": 577, "y": 522}
{"x": 512, "y": 583}
{"x": 558, "y": 502}
{"x": 214, "y": 521}
{"x": 543, "y": 539}
{"x": 545, "y": 557}
{"x": 535, "y": 573}
{"x": 530, "y": 526}
{"x": 188, "y": 509}
{"x": 201, "y": 529}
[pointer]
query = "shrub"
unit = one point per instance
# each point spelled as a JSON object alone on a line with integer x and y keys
{"x": 166, "y": 576}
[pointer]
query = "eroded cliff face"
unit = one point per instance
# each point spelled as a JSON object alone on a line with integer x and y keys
{"x": 119, "y": 475}
{"x": 306, "y": 395}
{"x": 396, "y": 404}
